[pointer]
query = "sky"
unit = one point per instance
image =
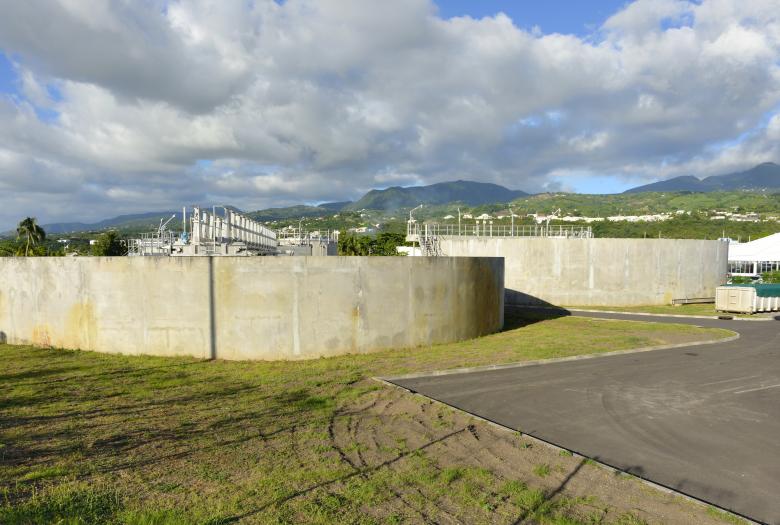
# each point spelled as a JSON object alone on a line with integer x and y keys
{"x": 550, "y": 16}
{"x": 119, "y": 106}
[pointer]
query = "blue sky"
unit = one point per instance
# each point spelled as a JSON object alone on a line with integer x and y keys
{"x": 579, "y": 17}
{"x": 7, "y": 75}
{"x": 550, "y": 16}
{"x": 262, "y": 104}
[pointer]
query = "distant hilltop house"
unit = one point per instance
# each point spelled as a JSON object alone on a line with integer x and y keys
{"x": 484, "y": 217}
{"x": 658, "y": 217}
{"x": 539, "y": 218}
{"x": 468, "y": 216}
{"x": 736, "y": 217}
{"x": 572, "y": 218}
{"x": 361, "y": 229}
{"x": 448, "y": 217}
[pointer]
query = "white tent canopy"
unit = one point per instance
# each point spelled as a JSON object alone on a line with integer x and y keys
{"x": 755, "y": 257}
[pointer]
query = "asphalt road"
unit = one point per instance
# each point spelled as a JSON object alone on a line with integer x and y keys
{"x": 702, "y": 420}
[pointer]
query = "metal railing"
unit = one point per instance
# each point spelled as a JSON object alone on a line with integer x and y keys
{"x": 152, "y": 244}
{"x": 415, "y": 231}
{"x": 429, "y": 244}
{"x": 295, "y": 236}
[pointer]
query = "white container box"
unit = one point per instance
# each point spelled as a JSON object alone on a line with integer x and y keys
{"x": 743, "y": 300}
{"x": 738, "y": 299}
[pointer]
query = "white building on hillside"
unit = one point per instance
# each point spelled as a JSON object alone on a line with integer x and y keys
{"x": 755, "y": 257}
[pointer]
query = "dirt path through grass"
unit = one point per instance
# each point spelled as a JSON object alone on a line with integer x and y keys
{"x": 140, "y": 440}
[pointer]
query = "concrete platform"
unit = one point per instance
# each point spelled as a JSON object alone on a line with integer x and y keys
{"x": 702, "y": 420}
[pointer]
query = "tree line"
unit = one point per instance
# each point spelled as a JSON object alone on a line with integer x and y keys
{"x": 383, "y": 244}
{"x": 31, "y": 241}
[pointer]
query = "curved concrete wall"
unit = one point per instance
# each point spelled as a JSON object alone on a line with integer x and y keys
{"x": 248, "y": 307}
{"x": 600, "y": 272}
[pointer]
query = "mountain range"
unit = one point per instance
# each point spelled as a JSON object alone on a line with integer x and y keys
{"x": 762, "y": 177}
{"x": 123, "y": 221}
{"x": 467, "y": 192}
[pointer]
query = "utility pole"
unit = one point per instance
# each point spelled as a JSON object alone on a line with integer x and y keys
{"x": 410, "y": 230}
{"x": 512, "y": 215}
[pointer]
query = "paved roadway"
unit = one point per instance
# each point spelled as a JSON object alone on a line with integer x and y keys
{"x": 703, "y": 420}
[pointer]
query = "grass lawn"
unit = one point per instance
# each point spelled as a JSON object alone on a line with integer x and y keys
{"x": 683, "y": 309}
{"x": 96, "y": 438}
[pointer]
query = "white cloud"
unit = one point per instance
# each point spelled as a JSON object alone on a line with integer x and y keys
{"x": 312, "y": 100}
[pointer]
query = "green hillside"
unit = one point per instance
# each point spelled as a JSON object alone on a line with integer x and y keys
{"x": 466, "y": 192}
{"x": 698, "y": 225}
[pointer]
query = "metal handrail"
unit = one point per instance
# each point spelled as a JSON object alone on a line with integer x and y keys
{"x": 499, "y": 230}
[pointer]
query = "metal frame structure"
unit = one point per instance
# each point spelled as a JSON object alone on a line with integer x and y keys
{"x": 300, "y": 237}
{"x": 156, "y": 243}
{"x": 215, "y": 233}
{"x": 428, "y": 236}
{"x": 207, "y": 233}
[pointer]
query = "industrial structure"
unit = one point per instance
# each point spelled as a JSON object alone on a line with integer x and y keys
{"x": 297, "y": 241}
{"x": 751, "y": 259}
{"x": 244, "y": 308}
{"x": 429, "y": 236}
{"x": 224, "y": 231}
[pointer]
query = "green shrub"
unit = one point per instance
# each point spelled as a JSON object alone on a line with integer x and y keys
{"x": 771, "y": 277}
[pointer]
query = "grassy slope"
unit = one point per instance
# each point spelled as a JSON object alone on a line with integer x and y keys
{"x": 686, "y": 309}
{"x": 113, "y": 439}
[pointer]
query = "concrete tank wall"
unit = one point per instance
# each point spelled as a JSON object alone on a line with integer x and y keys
{"x": 248, "y": 307}
{"x": 600, "y": 272}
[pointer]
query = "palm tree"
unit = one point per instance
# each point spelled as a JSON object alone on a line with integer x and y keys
{"x": 30, "y": 230}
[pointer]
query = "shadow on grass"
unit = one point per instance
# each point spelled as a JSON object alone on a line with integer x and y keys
{"x": 520, "y": 316}
{"x": 35, "y": 373}
{"x": 365, "y": 471}
{"x": 253, "y": 415}
{"x": 97, "y": 375}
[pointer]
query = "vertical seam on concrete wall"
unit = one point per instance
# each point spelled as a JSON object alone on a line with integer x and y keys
{"x": 83, "y": 335}
{"x": 296, "y": 322}
{"x": 212, "y": 312}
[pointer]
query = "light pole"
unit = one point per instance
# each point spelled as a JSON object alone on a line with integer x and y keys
{"x": 409, "y": 228}
{"x": 512, "y": 215}
{"x": 411, "y": 219}
{"x": 458, "y": 221}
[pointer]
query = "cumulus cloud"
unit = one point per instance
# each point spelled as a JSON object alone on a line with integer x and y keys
{"x": 130, "y": 106}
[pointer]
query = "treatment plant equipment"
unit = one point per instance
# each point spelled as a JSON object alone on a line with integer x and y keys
{"x": 298, "y": 241}
{"x": 429, "y": 236}
{"x": 207, "y": 233}
{"x": 224, "y": 231}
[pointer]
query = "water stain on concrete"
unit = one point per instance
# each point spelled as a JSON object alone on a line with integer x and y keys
{"x": 40, "y": 336}
{"x": 80, "y": 327}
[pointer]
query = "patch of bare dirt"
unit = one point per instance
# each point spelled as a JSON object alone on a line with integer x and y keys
{"x": 391, "y": 422}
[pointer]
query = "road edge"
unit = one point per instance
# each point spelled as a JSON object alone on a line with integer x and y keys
{"x": 552, "y": 360}
{"x": 600, "y": 464}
